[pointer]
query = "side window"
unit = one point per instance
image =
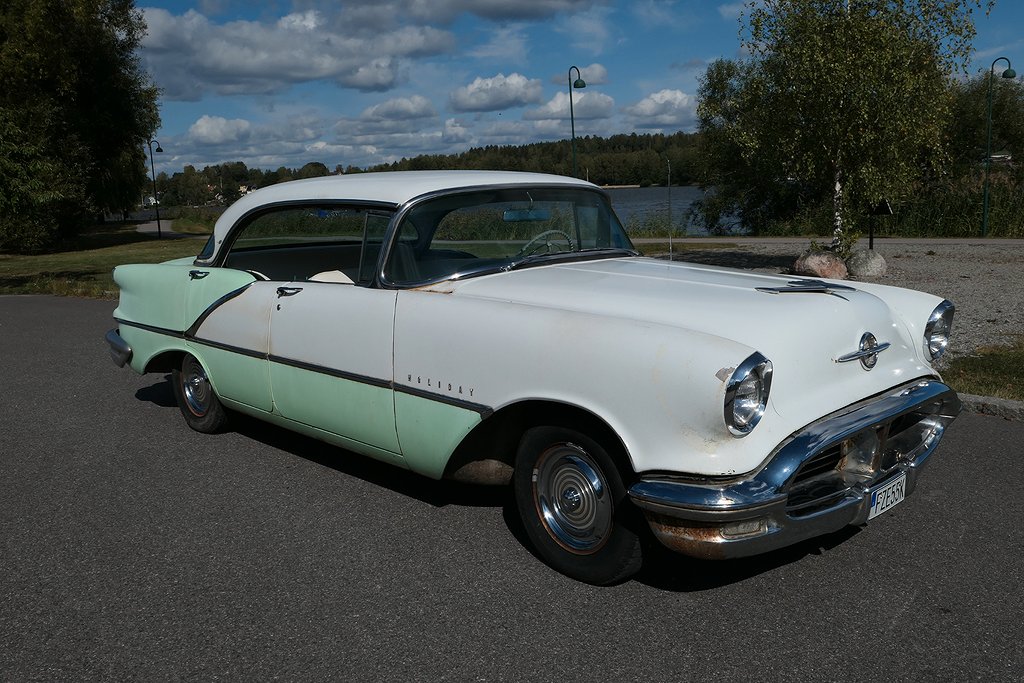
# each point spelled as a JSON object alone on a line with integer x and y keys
{"x": 374, "y": 230}
{"x": 319, "y": 243}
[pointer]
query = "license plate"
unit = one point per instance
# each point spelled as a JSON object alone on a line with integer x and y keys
{"x": 888, "y": 495}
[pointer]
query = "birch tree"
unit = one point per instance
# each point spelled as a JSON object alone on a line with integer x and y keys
{"x": 841, "y": 102}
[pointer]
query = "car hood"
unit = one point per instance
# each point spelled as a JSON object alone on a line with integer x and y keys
{"x": 803, "y": 334}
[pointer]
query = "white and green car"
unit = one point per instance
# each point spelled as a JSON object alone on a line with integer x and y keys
{"x": 500, "y": 328}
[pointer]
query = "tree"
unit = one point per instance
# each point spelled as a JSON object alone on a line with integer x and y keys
{"x": 841, "y": 103}
{"x": 75, "y": 113}
{"x": 967, "y": 132}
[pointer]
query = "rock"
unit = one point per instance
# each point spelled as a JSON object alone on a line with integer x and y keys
{"x": 866, "y": 263}
{"x": 823, "y": 264}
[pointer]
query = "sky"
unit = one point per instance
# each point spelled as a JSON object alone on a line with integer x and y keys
{"x": 284, "y": 82}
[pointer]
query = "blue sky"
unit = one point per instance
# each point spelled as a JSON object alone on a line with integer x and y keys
{"x": 281, "y": 83}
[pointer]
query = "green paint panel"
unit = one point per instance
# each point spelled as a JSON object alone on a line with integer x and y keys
{"x": 430, "y": 431}
{"x": 153, "y": 294}
{"x": 242, "y": 378}
{"x": 358, "y": 411}
{"x": 145, "y": 345}
{"x": 320, "y": 435}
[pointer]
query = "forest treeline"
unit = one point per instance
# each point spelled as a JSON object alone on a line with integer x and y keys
{"x": 633, "y": 159}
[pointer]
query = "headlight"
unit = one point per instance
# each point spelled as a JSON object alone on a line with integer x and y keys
{"x": 746, "y": 394}
{"x": 936, "y": 332}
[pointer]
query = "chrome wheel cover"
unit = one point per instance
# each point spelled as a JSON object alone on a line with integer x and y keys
{"x": 573, "y": 499}
{"x": 195, "y": 387}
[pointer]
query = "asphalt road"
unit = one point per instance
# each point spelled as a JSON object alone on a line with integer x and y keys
{"x": 133, "y": 548}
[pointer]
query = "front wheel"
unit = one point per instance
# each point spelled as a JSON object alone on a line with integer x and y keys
{"x": 197, "y": 401}
{"x": 573, "y": 506}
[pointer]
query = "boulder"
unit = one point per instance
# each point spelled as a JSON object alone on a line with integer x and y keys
{"x": 866, "y": 263}
{"x": 822, "y": 264}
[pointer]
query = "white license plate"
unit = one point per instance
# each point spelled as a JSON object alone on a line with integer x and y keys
{"x": 888, "y": 495}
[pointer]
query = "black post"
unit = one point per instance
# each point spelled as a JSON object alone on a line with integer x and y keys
{"x": 156, "y": 197}
{"x": 882, "y": 209}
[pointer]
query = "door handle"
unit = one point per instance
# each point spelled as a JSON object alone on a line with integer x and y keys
{"x": 198, "y": 274}
{"x": 288, "y": 291}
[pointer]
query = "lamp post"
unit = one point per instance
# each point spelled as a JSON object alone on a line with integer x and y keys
{"x": 156, "y": 198}
{"x": 1009, "y": 73}
{"x": 668, "y": 186}
{"x": 578, "y": 83}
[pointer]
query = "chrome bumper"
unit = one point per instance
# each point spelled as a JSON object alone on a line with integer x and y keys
{"x": 817, "y": 481}
{"x": 120, "y": 352}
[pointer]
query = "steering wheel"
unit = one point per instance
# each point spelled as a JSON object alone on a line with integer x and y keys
{"x": 534, "y": 243}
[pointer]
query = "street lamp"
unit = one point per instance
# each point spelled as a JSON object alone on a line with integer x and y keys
{"x": 1009, "y": 73}
{"x": 578, "y": 83}
{"x": 156, "y": 198}
{"x": 668, "y": 186}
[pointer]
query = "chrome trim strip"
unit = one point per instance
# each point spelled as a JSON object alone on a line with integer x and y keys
{"x": 194, "y": 327}
{"x": 333, "y": 372}
{"x": 485, "y": 411}
{"x": 689, "y": 509}
{"x": 863, "y": 353}
{"x": 227, "y": 347}
{"x": 120, "y": 351}
{"x": 151, "y": 328}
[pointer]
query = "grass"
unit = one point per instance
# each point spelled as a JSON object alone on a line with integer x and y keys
{"x": 996, "y": 371}
{"x": 83, "y": 266}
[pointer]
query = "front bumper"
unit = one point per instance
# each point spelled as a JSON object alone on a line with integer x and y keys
{"x": 120, "y": 351}
{"x": 817, "y": 481}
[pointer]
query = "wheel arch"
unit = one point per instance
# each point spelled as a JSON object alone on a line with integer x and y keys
{"x": 487, "y": 454}
{"x": 166, "y": 361}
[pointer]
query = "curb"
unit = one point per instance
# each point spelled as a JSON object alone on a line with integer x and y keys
{"x": 999, "y": 407}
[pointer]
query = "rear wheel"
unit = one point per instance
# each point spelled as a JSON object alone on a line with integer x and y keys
{"x": 197, "y": 401}
{"x": 574, "y": 507}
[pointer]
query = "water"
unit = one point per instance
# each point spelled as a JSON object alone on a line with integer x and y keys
{"x": 636, "y": 204}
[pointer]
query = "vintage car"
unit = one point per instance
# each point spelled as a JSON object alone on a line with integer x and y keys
{"x": 500, "y": 328}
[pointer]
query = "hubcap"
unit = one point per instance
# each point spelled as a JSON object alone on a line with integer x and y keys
{"x": 572, "y": 498}
{"x": 195, "y": 387}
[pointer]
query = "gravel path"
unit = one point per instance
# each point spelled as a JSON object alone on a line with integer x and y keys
{"x": 984, "y": 279}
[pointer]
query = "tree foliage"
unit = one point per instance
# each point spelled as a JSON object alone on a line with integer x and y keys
{"x": 841, "y": 103}
{"x": 75, "y": 112}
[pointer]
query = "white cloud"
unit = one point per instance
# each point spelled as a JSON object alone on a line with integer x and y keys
{"x": 588, "y": 30}
{"x": 585, "y": 105}
{"x": 217, "y": 130}
{"x": 731, "y": 10}
{"x": 456, "y": 132}
{"x": 498, "y": 10}
{"x": 401, "y": 108}
{"x": 506, "y": 44}
{"x": 595, "y": 74}
{"x": 189, "y": 55}
{"x": 497, "y": 93}
{"x": 665, "y": 108}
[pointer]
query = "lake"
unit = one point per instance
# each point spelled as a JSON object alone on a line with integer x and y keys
{"x": 637, "y": 205}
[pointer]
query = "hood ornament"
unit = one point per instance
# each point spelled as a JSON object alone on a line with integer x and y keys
{"x": 808, "y": 287}
{"x": 868, "y": 352}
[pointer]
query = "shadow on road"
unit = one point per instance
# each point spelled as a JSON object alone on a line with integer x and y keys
{"x": 663, "y": 569}
{"x": 424, "y": 489}
{"x": 669, "y": 571}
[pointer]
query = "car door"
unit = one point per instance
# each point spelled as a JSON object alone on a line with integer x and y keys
{"x": 227, "y": 313}
{"x": 331, "y": 364}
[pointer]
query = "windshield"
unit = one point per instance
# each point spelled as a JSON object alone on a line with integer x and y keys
{"x": 484, "y": 231}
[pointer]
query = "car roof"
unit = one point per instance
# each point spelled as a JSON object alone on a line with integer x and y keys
{"x": 391, "y": 187}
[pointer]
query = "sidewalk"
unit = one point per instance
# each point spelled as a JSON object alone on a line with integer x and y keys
{"x": 165, "y": 232}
